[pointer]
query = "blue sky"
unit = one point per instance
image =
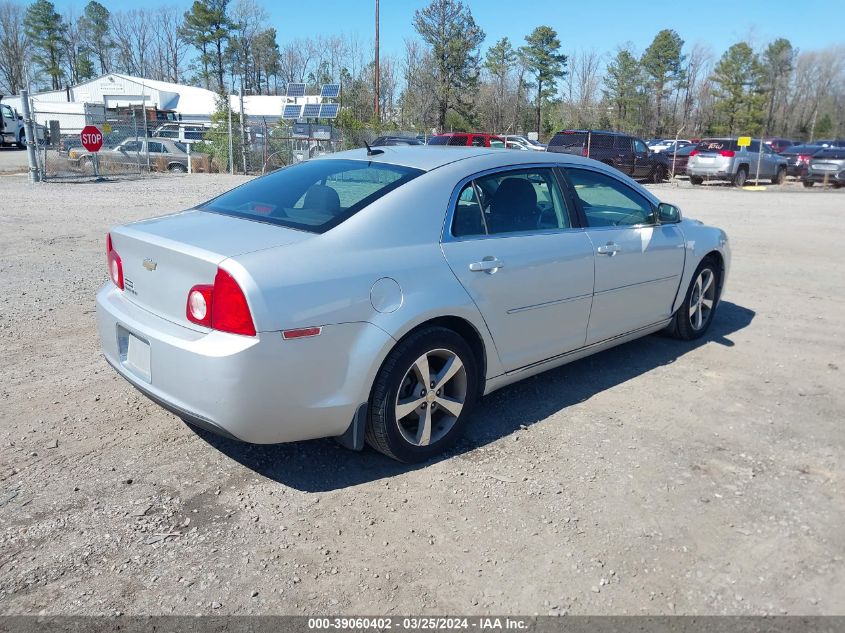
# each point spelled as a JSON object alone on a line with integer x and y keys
{"x": 582, "y": 25}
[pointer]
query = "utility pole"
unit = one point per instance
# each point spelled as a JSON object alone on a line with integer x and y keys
{"x": 378, "y": 72}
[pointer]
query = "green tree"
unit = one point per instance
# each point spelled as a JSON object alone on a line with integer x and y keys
{"x": 207, "y": 27}
{"x": 46, "y": 31}
{"x": 739, "y": 89}
{"x": 499, "y": 62}
{"x": 95, "y": 28}
{"x": 778, "y": 61}
{"x": 623, "y": 88}
{"x": 663, "y": 62}
{"x": 543, "y": 59}
{"x": 448, "y": 27}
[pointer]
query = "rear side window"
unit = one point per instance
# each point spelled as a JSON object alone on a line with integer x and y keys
{"x": 438, "y": 140}
{"x": 601, "y": 141}
{"x": 313, "y": 196}
{"x": 477, "y": 141}
{"x": 518, "y": 201}
{"x": 459, "y": 139}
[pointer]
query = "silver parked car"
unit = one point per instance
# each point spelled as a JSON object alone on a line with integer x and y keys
{"x": 164, "y": 154}
{"x": 376, "y": 295}
{"x": 723, "y": 159}
{"x": 826, "y": 166}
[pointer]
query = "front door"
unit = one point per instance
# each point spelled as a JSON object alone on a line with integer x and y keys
{"x": 643, "y": 163}
{"x": 512, "y": 246}
{"x": 638, "y": 262}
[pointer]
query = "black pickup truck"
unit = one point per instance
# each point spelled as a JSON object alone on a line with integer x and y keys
{"x": 628, "y": 154}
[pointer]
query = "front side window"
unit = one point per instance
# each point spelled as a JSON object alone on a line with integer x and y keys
{"x": 156, "y": 148}
{"x": 7, "y": 112}
{"x": 459, "y": 140}
{"x": 131, "y": 146}
{"x": 607, "y": 201}
{"x": 312, "y": 196}
{"x": 518, "y": 201}
{"x": 478, "y": 141}
{"x": 640, "y": 147}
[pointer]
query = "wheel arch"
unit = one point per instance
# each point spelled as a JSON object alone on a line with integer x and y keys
{"x": 463, "y": 328}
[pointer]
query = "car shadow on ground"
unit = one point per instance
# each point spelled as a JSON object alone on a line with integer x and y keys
{"x": 322, "y": 465}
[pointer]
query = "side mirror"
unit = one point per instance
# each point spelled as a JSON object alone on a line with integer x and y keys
{"x": 668, "y": 213}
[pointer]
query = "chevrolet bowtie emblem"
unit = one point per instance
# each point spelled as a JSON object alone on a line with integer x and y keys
{"x": 150, "y": 264}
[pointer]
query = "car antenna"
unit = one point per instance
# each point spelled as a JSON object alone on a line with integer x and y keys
{"x": 371, "y": 151}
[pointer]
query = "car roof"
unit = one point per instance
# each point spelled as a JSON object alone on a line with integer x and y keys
{"x": 427, "y": 158}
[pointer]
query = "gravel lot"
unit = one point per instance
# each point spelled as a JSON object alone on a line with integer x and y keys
{"x": 658, "y": 477}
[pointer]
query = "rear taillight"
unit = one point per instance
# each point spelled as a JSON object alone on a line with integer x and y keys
{"x": 584, "y": 152}
{"x": 693, "y": 152}
{"x": 804, "y": 158}
{"x": 221, "y": 306}
{"x": 114, "y": 264}
{"x": 728, "y": 153}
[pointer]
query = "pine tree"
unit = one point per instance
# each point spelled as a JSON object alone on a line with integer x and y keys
{"x": 95, "y": 28}
{"x": 499, "y": 62}
{"x": 740, "y": 91}
{"x": 207, "y": 27}
{"x": 663, "y": 62}
{"x": 623, "y": 88}
{"x": 448, "y": 27}
{"x": 543, "y": 59}
{"x": 46, "y": 31}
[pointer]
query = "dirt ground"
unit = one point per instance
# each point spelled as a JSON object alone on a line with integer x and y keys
{"x": 655, "y": 478}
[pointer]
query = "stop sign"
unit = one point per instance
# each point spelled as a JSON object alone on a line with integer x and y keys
{"x": 92, "y": 138}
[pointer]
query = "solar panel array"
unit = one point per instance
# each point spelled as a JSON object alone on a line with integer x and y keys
{"x": 329, "y": 110}
{"x": 330, "y": 91}
{"x": 311, "y": 110}
{"x": 296, "y": 90}
{"x": 292, "y": 111}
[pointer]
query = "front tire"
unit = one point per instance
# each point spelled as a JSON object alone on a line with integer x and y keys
{"x": 807, "y": 183}
{"x": 658, "y": 175}
{"x": 696, "y": 180}
{"x": 780, "y": 177}
{"x": 693, "y": 318}
{"x": 22, "y": 140}
{"x": 422, "y": 395}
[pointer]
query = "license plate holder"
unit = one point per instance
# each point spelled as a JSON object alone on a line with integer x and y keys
{"x": 134, "y": 354}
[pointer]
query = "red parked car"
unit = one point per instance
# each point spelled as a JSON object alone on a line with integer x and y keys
{"x": 466, "y": 139}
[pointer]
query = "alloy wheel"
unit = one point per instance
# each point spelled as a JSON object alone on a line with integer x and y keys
{"x": 702, "y": 299}
{"x": 431, "y": 397}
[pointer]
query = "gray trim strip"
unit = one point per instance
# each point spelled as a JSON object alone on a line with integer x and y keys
{"x": 547, "y": 304}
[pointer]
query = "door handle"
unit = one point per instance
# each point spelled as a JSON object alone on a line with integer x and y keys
{"x": 487, "y": 265}
{"x": 608, "y": 249}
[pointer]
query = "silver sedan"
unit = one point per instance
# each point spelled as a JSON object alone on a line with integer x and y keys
{"x": 376, "y": 295}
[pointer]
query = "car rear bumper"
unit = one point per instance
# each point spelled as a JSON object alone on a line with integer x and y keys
{"x": 819, "y": 176}
{"x": 717, "y": 173}
{"x": 260, "y": 389}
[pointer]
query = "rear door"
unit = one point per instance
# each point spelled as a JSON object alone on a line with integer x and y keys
{"x": 624, "y": 155}
{"x": 638, "y": 263}
{"x": 511, "y": 243}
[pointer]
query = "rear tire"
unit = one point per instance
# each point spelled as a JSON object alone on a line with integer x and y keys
{"x": 407, "y": 418}
{"x": 693, "y": 318}
{"x": 780, "y": 177}
{"x": 177, "y": 168}
{"x": 658, "y": 175}
{"x": 807, "y": 183}
{"x": 696, "y": 180}
{"x": 740, "y": 177}
{"x": 22, "y": 140}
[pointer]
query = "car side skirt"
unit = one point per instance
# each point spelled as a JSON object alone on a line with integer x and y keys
{"x": 562, "y": 359}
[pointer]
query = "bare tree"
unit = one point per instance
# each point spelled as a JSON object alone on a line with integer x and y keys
{"x": 171, "y": 49}
{"x": 133, "y": 32}
{"x": 13, "y": 47}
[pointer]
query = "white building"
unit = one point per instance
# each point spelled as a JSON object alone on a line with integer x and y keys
{"x": 115, "y": 90}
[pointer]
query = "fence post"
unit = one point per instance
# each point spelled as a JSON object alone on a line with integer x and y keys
{"x": 231, "y": 149}
{"x": 29, "y": 131}
{"x": 243, "y": 130}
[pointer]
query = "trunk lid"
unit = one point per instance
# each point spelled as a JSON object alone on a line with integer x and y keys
{"x": 163, "y": 258}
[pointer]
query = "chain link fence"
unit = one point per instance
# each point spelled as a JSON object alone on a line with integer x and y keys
{"x": 136, "y": 144}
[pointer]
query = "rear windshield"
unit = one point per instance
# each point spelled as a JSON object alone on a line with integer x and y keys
{"x": 455, "y": 139}
{"x": 716, "y": 145}
{"x": 313, "y": 196}
{"x": 568, "y": 139}
{"x": 834, "y": 153}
